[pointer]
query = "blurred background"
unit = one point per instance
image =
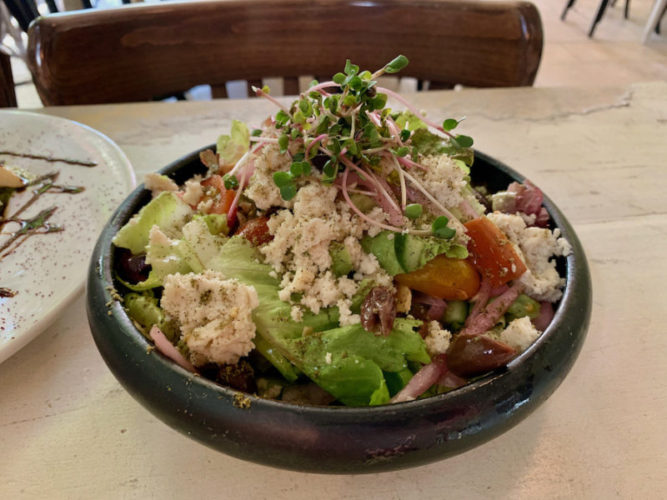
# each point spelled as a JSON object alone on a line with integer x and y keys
{"x": 614, "y": 55}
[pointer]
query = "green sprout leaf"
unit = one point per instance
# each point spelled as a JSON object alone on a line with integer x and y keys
{"x": 450, "y": 124}
{"x": 281, "y": 118}
{"x": 464, "y": 141}
{"x": 440, "y": 228}
{"x": 230, "y": 181}
{"x": 299, "y": 168}
{"x": 396, "y": 64}
{"x": 288, "y": 191}
{"x": 283, "y": 142}
{"x": 378, "y": 102}
{"x": 339, "y": 78}
{"x": 414, "y": 211}
{"x": 330, "y": 170}
{"x": 282, "y": 179}
{"x": 351, "y": 69}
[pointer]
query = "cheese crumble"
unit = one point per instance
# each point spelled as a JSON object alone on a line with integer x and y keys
{"x": 302, "y": 236}
{"x": 214, "y": 314}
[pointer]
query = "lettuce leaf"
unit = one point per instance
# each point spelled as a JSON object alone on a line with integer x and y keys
{"x": 349, "y": 362}
{"x": 231, "y": 148}
{"x": 167, "y": 211}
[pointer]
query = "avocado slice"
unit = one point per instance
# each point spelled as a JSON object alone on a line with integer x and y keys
{"x": 341, "y": 262}
{"x": 383, "y": 246}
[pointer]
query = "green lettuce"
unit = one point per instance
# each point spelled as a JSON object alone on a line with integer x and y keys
{"x": 167, "y": 211}
{"x": 349, "y": 362}
{"x": 232, "y": 147}
{"x": 357, "y": 358}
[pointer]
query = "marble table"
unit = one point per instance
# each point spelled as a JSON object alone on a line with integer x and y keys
{"x": 69, "y": 430}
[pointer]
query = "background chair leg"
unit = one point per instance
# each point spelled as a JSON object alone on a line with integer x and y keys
{"x": 7, "y": 92}
{"x": 654, "y": 18}
{"x": 569, "y": 4}
{"x": 657, "y": 26}
{"x": 598, "y": 17}
{"x": 626, "y": 12}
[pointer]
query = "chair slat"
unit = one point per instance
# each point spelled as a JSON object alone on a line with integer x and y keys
{"x": 291, "y": 85}
{"x": 219, "y": 91}
{"x": 253, "y": 83}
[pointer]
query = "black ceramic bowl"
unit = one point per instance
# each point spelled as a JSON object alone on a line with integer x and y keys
{"x": 338, "y": 440}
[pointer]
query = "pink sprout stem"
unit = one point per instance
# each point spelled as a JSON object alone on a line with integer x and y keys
{"x": 261, "y": 93}
{"x": 356, "y": 210}
{"x": 324, "y": 85}
{"x": 409, "y": 163}
{"x": 413, "y": 109}
{"x": 317, "y": 139}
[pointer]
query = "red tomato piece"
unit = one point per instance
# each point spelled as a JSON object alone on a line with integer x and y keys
{"x": 492, "y": 253}
{"x": 256, "y": 231}
{"x": 222, "y": 202}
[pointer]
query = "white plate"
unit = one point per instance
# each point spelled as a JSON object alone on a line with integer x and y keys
{"x": 48, "y": 270}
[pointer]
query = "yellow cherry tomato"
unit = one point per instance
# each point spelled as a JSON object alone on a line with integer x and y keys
{"x": 443, "y": 277}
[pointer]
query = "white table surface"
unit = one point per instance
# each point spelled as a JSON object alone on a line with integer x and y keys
{"x": 69, "y": 430}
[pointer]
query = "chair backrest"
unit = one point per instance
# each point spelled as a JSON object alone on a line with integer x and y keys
{"x": 7, "y": 92}
{"x": 138, "y": 52}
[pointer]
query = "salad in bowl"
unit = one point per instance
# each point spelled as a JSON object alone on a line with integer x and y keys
{"x": 339, "y": 254}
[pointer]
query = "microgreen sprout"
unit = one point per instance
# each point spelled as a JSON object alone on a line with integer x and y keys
{"x": 286, "y": 184}
{"x": 414, "y": 211}
{"x": 450, "y": 124}
{"x": 230, "y": 181}
{"x": 464, "y": 141}
{"x": 344, "y": 126}
{"x": 441, "y": 229}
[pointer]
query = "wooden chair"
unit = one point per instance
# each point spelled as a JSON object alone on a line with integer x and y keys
{"x": 138, "y": 52}
{"x": 7, "y": 92}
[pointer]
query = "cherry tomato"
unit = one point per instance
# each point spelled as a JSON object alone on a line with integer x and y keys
{"x": 222, "y": 203}
{"x": 445, "y": 278}
{"x": 492, "y": 253}
{"x": 469, "y": 355}
{"x": 256, "y": 231}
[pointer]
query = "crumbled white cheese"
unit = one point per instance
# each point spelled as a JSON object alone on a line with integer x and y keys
{"x": 444, "y": 179}
{"x": 193, "y": 191}
{"x": 300, "y": 247}
{"x": 346, "y": 316}
{"x": 537, "y": 247}
{"x": 437, "y": 339}
{"x": 261, "y": 187}
{"x": 519, "y": 334}
{"x": 296, "y": 313}
{"x": 157, "y": 183}
{"x": 327, "y": 358}
{"x": 214, "y": 314}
